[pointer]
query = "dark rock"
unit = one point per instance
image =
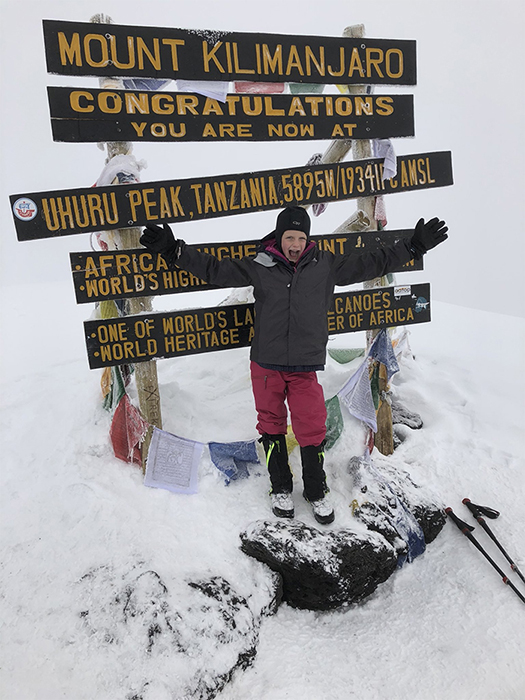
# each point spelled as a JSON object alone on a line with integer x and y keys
{"x": 380, "y": 484}
{"x": 431, "y": 519}
{"x": 320, "y": 570}
{"x": 401, "y": 415}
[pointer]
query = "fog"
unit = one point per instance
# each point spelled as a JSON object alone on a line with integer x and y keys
{"x": 469, "y": 100}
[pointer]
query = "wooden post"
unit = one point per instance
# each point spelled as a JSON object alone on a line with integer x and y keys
{"x": 145, "y": 372}
{"x": 362, "y": 149}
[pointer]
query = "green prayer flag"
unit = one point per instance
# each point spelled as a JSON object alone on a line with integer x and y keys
{"x": 334, "y": 421}
{"x": 343, "y": 356}
{"x": 374, "y": 385}
{"x": 305, "y": 88}
{"x": 117, "y": 390}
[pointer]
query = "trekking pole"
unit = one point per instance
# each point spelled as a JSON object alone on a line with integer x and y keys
{"x": 467, "y": 531}
{"x": 485, "y": 510}
{"x": 476, "y": 512}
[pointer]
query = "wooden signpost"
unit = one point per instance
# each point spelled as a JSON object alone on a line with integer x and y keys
{"x": 66, "y": 212}
{"x": 105, "y": 275}
{"x": 126, "y": 115}
{"x": 79, "y": 48}
{"x": 141, "y": 338}
{"x": 127, "y": 107}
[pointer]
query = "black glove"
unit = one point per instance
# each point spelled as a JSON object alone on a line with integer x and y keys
{"x": 161, "y": 240}
{"x": 427, "y": 236}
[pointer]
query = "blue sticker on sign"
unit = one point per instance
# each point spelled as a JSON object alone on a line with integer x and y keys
{"x": 421, "y": 304}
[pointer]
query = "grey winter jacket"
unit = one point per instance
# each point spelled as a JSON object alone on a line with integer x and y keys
{"x": 291, "y": 302}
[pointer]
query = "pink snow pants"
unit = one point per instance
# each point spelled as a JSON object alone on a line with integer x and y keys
{"x": 305, "y": 400}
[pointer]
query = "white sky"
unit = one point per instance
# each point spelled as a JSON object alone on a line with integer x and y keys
{"x": 469, "y": 100}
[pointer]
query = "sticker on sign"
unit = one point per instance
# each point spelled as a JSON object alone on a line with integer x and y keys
{"x": 403, "y": 291}
{"x": 25, "y": 209}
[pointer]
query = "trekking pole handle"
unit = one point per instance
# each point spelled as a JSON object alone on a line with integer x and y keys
{"x": 477, "y": 510}
{"x": 462, "y": 525}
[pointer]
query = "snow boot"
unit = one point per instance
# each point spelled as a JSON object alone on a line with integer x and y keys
{"x": 314, "y": 479}
{"x": 323, "y": 510}
{"x": 282, "y": 505}
{"x": 280, "y": 475}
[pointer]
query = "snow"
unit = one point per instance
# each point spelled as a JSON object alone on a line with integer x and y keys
{"x": 444, "y": 626}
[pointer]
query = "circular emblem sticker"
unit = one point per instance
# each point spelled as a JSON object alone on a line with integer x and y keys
{"x": 25, "y": 209}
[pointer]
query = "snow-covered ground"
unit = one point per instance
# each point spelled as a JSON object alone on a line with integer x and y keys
{"x": 444, "y": 626}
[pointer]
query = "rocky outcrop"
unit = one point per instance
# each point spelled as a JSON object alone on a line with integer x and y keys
{"x": 170, "y": 637}
{"x": 320, "y": 570}
{"x": 384, "y": 490}
{"x": 180, "y": 641}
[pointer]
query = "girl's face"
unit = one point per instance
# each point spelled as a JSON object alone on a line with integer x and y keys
{"x": 293, "y": 244}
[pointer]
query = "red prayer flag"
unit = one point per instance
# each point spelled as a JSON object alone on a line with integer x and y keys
{"x": 127, "y": 431}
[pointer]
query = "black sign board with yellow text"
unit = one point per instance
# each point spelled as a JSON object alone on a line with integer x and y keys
{"x": 84, "y": 48}
{"x": 124, "y": 115}
{"x": 59, "y": 213}
{"x": 106, "y": 275}
{"x": 144, "y": 337}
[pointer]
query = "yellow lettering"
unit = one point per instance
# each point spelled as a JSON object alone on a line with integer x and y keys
{"x": 187, "y": 103}
{"x": 74, "y": 101}
{"x": 294, "y": 61}
{"x": 135, "y": 199}
{"x": 147, "y": 204}
{"x": 269, "y": 109}
{"x": 131, "y": 53}
{"x": 85, "y": 221}
{"x": 162, "y": 104}
{"x": 51, "y": 225}
{"x": 109, "y": 102}
{"x": 69, "y": 52}
{"x": 311, "y": 58}
{"x": 355, "y": 64}
{"x": 173, "y": 43}
{"x": 296, "y": 107}
{"x": 389, "y": 71}
{"x": 139, "y": 128}
{"x": 143, "y": 50}
{"x": 209, "y": 130}
{"x": 363, "y": 105}
{"x": 339, "y": 72}
{"x": 374, "y": 62}
{"x": 180, "y": 133}
{"x": 257, "y": 105}
{"x": 384, "y": 105}
{"x": 272, "y": 64}
{"x": 104, "y": 56}
{"x": 212, "y": 107}
{"x": 91, "y": 269}
{"x": 208, "y": 56}
{"x": 236, "y": 61}
{"x": 344, "y": 106}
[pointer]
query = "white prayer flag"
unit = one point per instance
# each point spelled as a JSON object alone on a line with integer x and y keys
{"x": 172, "y": 463}
{"x": 215, "y": 89}
{"x": 356, "y": 395}
{"x": 383, "y": 148}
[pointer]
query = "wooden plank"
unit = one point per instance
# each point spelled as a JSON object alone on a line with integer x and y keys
{"x": 105, "y": 275}
{"x": 80, "y": 48}
{"x": 194, "y": 331}
{"x": 146, "y": 379}
{"x": 85, "y": 115}
{"x": 66, "y": 212}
